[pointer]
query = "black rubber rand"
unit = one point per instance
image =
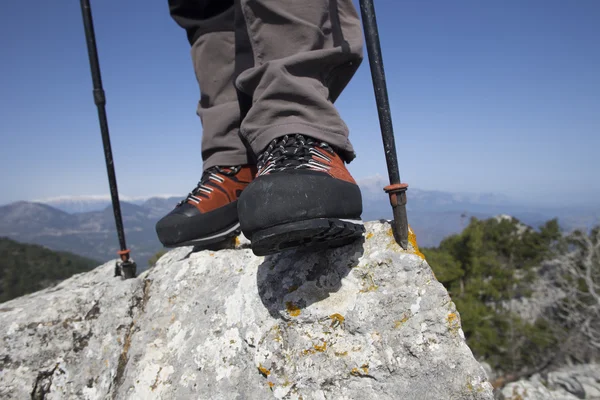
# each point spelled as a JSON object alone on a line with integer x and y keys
{"x": 226, "y": 234}
{"x": 318, "y": 233}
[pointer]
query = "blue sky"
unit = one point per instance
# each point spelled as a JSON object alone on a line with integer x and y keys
{"x": 486, "y": 97}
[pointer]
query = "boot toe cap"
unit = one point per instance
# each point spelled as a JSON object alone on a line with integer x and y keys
{"x": 296, "y": 195}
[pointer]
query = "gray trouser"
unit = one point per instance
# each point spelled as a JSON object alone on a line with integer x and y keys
{"x": 267, "y": 68}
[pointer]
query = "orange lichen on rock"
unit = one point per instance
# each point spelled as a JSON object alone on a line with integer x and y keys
{"x": 336, "y": 319}
{"x": 292, "y": 309}
{"x": 369, "y": 235}
{"x": 453, "y": 322}
{"x": 321, "y": 348}
{"x": 412, "y": 239}
{"x": 398, "y": 323}
{"x": 271, "y": 384}
{"x": 452, "y": 317}
{"x": 358, "y": 372}
{"x": 316, "y": 348}
{"x": 237, "y": 241}
{"x": 263, "y": 371}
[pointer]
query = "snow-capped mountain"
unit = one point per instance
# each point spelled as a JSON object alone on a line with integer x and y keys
{"x": 80, "y": 204}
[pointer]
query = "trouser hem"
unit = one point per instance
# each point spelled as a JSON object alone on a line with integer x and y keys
{"x": 338, "y": 140}
{"x": 225, "y": 159}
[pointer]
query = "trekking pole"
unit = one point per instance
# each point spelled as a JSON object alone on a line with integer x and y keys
{"x": 126, "y": 267}
{"x": 396, "y": 190}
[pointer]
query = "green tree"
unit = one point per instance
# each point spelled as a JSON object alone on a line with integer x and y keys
{"x": 26, "y": 268}
{"x": 485, "y": 267}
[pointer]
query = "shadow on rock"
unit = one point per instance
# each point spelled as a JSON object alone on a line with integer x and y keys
{"x": 292, "y": 280}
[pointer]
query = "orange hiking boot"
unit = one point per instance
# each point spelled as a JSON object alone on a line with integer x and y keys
{"x": 209, "y": 214}
{"x": 303, "y": 195}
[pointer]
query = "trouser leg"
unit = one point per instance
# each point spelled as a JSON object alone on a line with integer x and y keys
{"x": 304, "y": 54}
{"x": 209, "y": 25}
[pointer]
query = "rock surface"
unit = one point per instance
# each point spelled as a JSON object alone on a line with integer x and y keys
{"x": 367, "y": 321}
{"x": 568, "y": 383}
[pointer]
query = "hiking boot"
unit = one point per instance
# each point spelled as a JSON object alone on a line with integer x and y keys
{"x": 303, "y": 195}
{"x": 208, "y": 215}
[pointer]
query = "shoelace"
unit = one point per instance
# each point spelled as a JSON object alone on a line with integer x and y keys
{"x": 203, "y": 190}
{"x": 293, "y": 152}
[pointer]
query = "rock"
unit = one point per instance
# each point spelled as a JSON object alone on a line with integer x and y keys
{"x": 490, "y": 373}
{"x": 525, "y": 390}
{"x": 366, "y": 321}
{"x": 583, "y": 381}
{"x": 567, "y": 383}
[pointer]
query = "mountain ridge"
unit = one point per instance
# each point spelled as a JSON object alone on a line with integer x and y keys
{"x": 432, "y": 214}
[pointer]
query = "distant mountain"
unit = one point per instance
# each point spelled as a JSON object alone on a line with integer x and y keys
{"x": 78, "y": 204}
{"x": 432, "y": 214}
{"x": 90, "y": 234}
{"x": 23, "y": 217}
{"x": 26, "y": 268}
{"x": 160, "y": 206}
{"x": 82, "y": 204}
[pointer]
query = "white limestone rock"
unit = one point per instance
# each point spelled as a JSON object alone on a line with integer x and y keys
{"x": 367, "y": 321}
{"x": 566, "y": 383}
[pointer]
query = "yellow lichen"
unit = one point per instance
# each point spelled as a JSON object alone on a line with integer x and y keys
{"x": 336, "y": 320}
{"x": 452, "y": 317}
{"x": 412, "y": 239}
{"x": 390, "y": 232}
{"x": 321, "y": 348}
{"x": 453, "y": 322}
{"x": 316, "y": 348}
{"x": 271, "y": 384}
{"x": 399, "y": 323}
{"x": 263, "y": 371}
{"x": 292, "y": 309}
{"x": 369, "y": 235}
{"x": 237, "y": 241}
{"x": 358, "y": 372}
{"x": 340, "y": 354}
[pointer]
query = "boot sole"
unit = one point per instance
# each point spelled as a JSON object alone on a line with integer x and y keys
{"x": 318, "y": 233}
{"x": 216, "y": 238}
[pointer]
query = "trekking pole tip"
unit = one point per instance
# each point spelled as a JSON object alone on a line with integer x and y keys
{"x": 126, "y": 268}
{"x": 397, "y": 193}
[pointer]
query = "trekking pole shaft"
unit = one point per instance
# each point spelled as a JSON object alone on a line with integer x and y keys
{"x": 100, "y": 100}
{"x": 380, "y": 87}
{"x": 396, "y": 190}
